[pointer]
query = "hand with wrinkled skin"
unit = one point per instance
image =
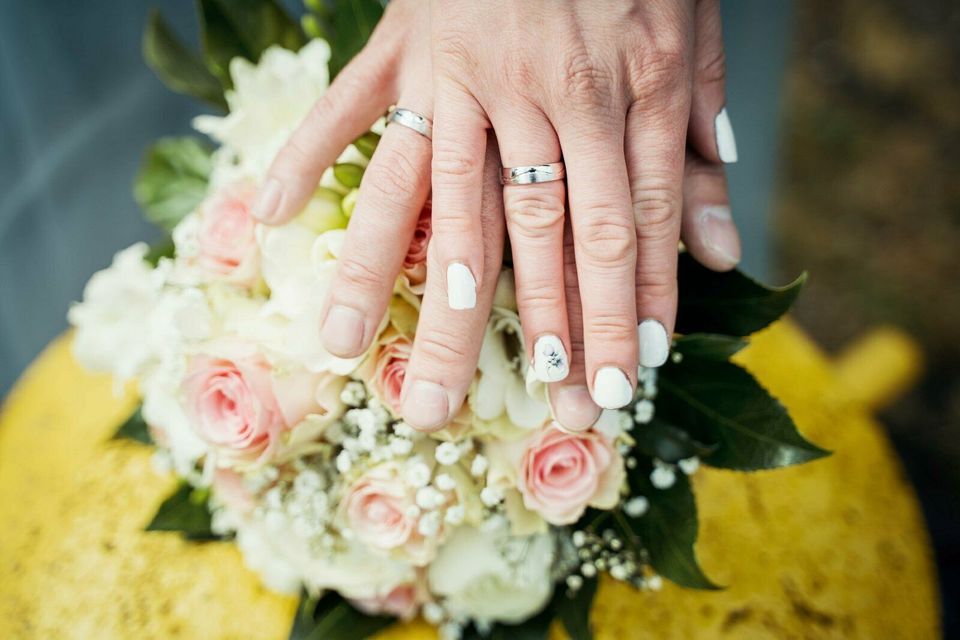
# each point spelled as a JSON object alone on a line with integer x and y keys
{"x": 617, "y": 95}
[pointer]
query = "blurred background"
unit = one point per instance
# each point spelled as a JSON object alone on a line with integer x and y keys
{"x": 847, "y": 115}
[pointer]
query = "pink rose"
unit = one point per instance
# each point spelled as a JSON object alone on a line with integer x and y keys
{"x": 226, "y": 239}
{"x": 389, "y": 369}
{"x": 378, "y": 511}
{"x": 403, "y": 602}
{"x": 239, "y": 408}
{"x": 562, "y": 473}
{"x": 415, "y": 262}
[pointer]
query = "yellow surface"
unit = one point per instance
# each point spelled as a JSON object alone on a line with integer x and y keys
{"x": 833, "y": 549}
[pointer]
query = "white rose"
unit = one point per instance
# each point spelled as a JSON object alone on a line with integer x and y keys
{"x": 298, "y": 266}
{"x": 501, "y": 389}
{"x": 492, "y": 577}
{"x": 267, "y": 102}
{"x": 118, "y": 302}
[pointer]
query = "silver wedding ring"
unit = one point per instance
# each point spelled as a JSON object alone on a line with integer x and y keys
{"x": 411, "y": 120}
{"x": 533, "y": 174}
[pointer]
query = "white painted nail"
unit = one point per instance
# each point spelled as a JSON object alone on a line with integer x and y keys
{"x": 611, "y": 388}
{"x": 461, "y": 287}
{"x": 726, "y": 142}
{"x": 654, "y": 343}
{"x": 550, "y": 359}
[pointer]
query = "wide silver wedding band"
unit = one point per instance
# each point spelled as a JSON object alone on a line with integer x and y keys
{"x": 533, "y": 174}
{"x": 411, "y": 120}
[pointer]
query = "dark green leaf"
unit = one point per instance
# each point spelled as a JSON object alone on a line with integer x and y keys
{"x": 660, "y": 439}
{"x": 668, "y": 530}
{"x": 185, "y": 511}
{"x": 728, "y": 303}
{"x": 172, "y": 180}
{"x": 161, "y": 249}
{"x": 367, "y": 143}
{"x": 347, "y": 174}
{"x": 535, "y": 628}
{"x": 573, "y": 609}
{"x": 347, "y": 25}
{"x": 332, "y": 618}
{"x": 718, "y": 402}
{"x": 243, "y": 28}
{"x": 709, "y": 345}
{"x": 134, "y": 428}
{"x": 178, "y": 67}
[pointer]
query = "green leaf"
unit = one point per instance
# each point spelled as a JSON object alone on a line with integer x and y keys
{"x": 347, "y": 174}
{"x": 134, "y": 428}
{"x": 243, "y": 28}
{"x": 172, "y": 180}
{"x": 333, "y": 618}
{"x": 718, "y": 402}
{"x": 367, "y": 143}
{"x": 185, "y": 511}
{"x": 161, "y": 249}
{"x": 346, "y": 25}
{"x": 573, "y": 609}
{"x": 709, "y": 345}
{"x": 535, "y": 628}
{"x": 728, "y": 303}
{"x": 660, "y": 439}
{"x": 668, "y": 530}
{"x": 182, "y": 70}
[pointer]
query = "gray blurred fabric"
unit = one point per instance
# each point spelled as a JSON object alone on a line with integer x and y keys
{"x": 78, "y": 107}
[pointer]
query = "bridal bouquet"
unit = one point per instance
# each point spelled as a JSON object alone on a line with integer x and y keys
{"x": 500, "y": 523}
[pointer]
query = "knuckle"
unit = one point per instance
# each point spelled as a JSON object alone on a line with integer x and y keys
{"x": 656, "y": 207}
{"x": 454, "y": 50}
{"x": 449, "y": 162}
{"x": 606, "y": 240}
{"x": 713, "y": 70}
{"x": 535, "y": 210}
{"x": 609, "y": 327}
{"x": 541, "y": 295}
{"x": 583, "y": 80}
{"x": 665, "y": 68}
{"x": 359, "y": 275}
{"x": 392, "y": 177}
{"x": 441, "y": 346}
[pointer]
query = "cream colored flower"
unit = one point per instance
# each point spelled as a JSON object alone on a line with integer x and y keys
{"x": 493, "y": 577}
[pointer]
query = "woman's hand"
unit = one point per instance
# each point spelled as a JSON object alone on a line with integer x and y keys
{"x": 608, "y": 91}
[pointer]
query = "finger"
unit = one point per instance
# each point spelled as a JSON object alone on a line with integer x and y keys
{"x": 360, "y": 94}
{"x": 605, "y": 246}
{"x": 447, "y": 345}
{"x": 708, "y": 230}
{"x": 655, "y": 141}
{"x": 711, "y": 133}
{"x": 459, "y": 138}
{"x": 394, "y": 189}
{"x": 572, "y": 405}
{"x": 535, "y": 215}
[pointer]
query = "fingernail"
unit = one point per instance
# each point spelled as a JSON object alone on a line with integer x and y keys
{"x": 654, "y": 343}
{"x": 342, "y": 332}
{"x": 611, "y": 388}
{"x": 461, "y": 287}
{"x": 426, "y": 405}
{"x": 726, "y": 142}
{"x": 573, "y": 407}
{"x": 550, "y": 359}
{"x": 718, "y": 233}
{"x": 268, "y": 201}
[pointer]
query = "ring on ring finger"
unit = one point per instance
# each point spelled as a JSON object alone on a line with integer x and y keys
{"x": 532, "y": 174}
{"x": 411, "y": 120}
